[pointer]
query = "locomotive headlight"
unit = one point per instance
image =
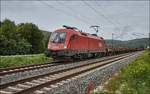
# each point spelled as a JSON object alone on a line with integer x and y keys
{"x": 65, "y": 46}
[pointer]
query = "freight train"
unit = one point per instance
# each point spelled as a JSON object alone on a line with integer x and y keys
{"x": 71, "y": 43}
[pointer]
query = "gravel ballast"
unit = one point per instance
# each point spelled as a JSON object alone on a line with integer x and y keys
{"x": 81, "y": 84}
{"x": 27, "y": 74}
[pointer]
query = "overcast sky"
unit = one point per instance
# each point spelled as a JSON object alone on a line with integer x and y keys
{"x": 123, "y": 18}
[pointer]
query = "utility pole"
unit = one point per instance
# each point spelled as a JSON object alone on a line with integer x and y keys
{"x": 112, "y": 40}
{"x": 95, "y": 27}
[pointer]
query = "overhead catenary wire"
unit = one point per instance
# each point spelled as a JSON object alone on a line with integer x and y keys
{"x": 116, "y": 23}
{"x": 66, "y": 13}
{"x": 99, "y": 13}
{"x": 77, "y": 13}
{"x": 84, "y": 19}
{"x": 106, "y": 14}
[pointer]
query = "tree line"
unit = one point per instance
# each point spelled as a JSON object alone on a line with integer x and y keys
{"x": 23, "y": 38}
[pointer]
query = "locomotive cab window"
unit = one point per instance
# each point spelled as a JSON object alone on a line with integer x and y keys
{"x": 58, "y": 37}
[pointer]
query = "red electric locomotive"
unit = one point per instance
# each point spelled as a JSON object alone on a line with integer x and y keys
{"x": 72, "y": 43}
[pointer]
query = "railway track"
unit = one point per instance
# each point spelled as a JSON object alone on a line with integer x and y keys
{"x": 26, "y": 68}
{"x": 8, "y": 71}
{"x": 47, "y": 81}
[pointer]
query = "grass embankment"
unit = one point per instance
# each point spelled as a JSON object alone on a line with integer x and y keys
{"x": 22, "y": 60}
{"x": 135, "y": 79}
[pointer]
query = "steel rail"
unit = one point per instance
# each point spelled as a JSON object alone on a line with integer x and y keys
{"x": 27, "y": 68}
{"x": 60, "y": 71}
{"x": 80, "y": 71}
{"x": 7, "y": 71}
{"x": 54, "y": 72}
{"x": 11, "y": 68}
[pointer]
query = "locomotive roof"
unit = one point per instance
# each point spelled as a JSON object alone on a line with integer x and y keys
{"x": 79, "y": 33}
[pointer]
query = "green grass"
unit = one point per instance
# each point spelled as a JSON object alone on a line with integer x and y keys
{"x": 135, "y": 79}
{"x": 22, "y": 60}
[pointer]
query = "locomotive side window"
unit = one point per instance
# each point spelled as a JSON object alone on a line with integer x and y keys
{"x": 58, "y": 37}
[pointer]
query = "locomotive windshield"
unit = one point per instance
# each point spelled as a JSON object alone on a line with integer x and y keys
{"x": 58, "y": 37}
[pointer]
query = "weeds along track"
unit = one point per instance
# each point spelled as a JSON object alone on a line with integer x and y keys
{"x": 30, "y": 85}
